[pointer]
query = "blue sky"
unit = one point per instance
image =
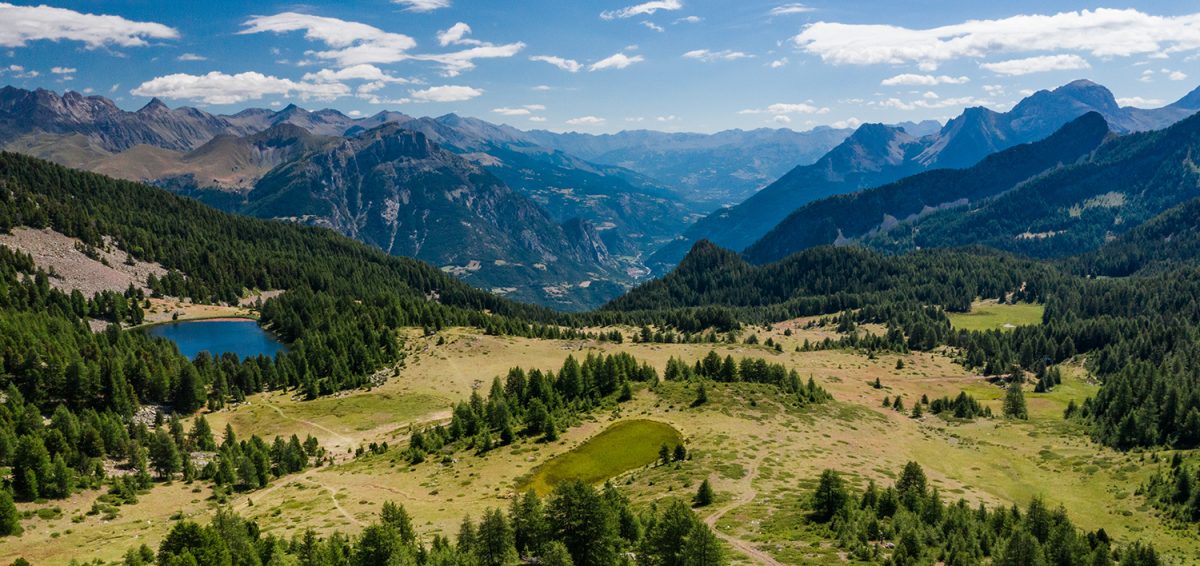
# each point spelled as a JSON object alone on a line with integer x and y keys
{"x": 602, "y": 66}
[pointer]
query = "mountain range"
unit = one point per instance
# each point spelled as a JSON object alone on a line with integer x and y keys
{"x": 878, "y": 154}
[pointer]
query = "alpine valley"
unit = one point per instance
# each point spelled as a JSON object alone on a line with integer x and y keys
{"x": 280, "y": 322}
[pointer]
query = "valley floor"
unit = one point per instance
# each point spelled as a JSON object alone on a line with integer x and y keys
{"x": 762, "y": 456}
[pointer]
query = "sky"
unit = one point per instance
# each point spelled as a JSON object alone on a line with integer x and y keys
{"x": 604, "y": 65}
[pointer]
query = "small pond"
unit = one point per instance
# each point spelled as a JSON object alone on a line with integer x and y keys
{"x": 243, "y": 337}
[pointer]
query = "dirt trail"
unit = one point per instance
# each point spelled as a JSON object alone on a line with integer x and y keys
{"x": 745, "y": 497}
{"x": 333, "y": 497}
{"x": 339, "y": 436}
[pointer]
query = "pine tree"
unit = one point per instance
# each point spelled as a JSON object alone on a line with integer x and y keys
{"x": 664, "y": 454}
{"x": 701, "y": 547}
{"x": 704, "y": 496}
{"x": 701, "y": 395}
{"x": 830, "y": 497}
{"x": 164, "y": 455}
{"x": 10, "y": 519}
{"x": 1014, "y": 402}
{"x": 494, "y": 543}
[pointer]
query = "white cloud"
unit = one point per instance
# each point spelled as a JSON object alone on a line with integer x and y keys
{"x": 1140, "y": 102}
{"x": 191, "y": 57}
{"x": 542, "y": 88}
{"x": 586, "y": 121}
{"x": 569, "y": 65}
{"x": 453, "y": 64}
{"x": 1040, "y": 64}
{"x": 220, "y": 88}
{"x": 1102, "y": 33}
{"x": 709, "y": 56}
{"x": 445, "y": 93}
{"x": 519, "y": 111}
{"x": 931, "y": 103}
{"x": 354, "y": 113}
{"x": 23, "y": 24}
{"x": 780, "y": 62}
{"x": 537, "y": 118}
{"x": 362, "y": 72}
{"x": 616, "y": 61}
{"x": 851, "y": 122}
{"x": 423, "y": 5}
{"x": 351, "y": 43}
{"x": 793, "y": 8}
{"x": 354, "y": 43}
{"x": 62, "y": 70}
{"x": 782, "y": 119}
{"x": 993, "y": 90}
{"x": 787, "y": 108}
{"x": 670, "y": 118}
{"x": 89, "y": 90}
{"x": 643, "y": 9}
{"x": 114, "y": 87}
{"x": 653, "y": 26}
{"x": 456, "y": 35}
{"x": 19, "y": 72}
{"x": 689, "y": 20}
{"x": 910, "y": 79}
{"x": 1177, "y": 75}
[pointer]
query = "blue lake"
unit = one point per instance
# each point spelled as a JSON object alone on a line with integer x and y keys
{"x": 242, "y": 337}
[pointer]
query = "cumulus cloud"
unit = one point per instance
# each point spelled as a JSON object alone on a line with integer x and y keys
{"x": 445, "y": 93}
{"x": 569, "y": 65}
{"x": 456, "y": 35}
{"x": 191, "y": 57}
{"x": 708, "y": 56}
{"x": 455, "y": 63}
{"x": 23, "y": 24}
{"x": 850, "y": 122}
{"x": 351, "y": 43}
{"x": 689, "y": 20}
{"x": 781, "y": 108}
{"x": 537, "y": 118}
{"x": 423, "y": 5}
{"x": 616, "y": 61}
{"x": 19, "y": 72}
{"x": 931, "y": 103}
{"x": 62, "y": 70}
{"x": 643, "y": 9}
{"x": 778, "y": 63}
{"x": 586, "y": 121}
{"x": 910, "y": 79}
{"x": 1040, "y": 64}
{"x": 221, "y": 88}
{"x": 1102, "y": 33}
{"x": 361, "y": 72}
{"x": 793, "y": 8}
{"x": 519, "y": 111}
{"x": 1176, "y": 75}
{"x": 1140, "y": 102}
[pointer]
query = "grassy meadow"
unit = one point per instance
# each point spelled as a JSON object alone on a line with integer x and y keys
{"x": 762, "y": 453}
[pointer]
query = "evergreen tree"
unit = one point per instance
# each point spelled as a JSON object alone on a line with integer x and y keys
{"x": 1014, "y": 402}
{"x": 830, "y": 497}
{"x": 701, "y": 548}
{"x": 10, "y": 518}
{"x": 494, "y": 544}
{"x": 704, "y": 496}
{"x": 164, "y": 455}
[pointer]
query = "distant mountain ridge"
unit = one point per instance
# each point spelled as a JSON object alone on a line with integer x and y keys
{"x": 846, "y": 218}
{"x": 1125, "y": 183}
{"x": 711, "y": 169}
{"x": 877, "y": 154}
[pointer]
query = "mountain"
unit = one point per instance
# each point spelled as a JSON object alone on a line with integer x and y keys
{"x": 1072, "y": 209}
{"x": 873, "y": 155}
{"x": 38, "y": 112}
{"x": 397, "y": 190}
{"x": 878, "y": 154}
{"x": 844, "y": 218}
{"x": 707, "y": 169}
{"x": 1165, "y": 242}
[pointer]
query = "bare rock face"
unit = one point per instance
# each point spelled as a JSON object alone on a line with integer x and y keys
{"x": 397, "y": 190}
{"x": 24, "y": 112}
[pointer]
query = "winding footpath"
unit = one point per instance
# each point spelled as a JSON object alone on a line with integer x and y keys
{"x": 747, "y": 495}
